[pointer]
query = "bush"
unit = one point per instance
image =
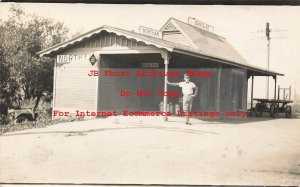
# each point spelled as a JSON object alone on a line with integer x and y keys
{"x": 5, "y": 119}
{"x": 44, "y": 111}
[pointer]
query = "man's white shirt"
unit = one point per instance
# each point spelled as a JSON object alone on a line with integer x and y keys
{"x": 187, "y": 87}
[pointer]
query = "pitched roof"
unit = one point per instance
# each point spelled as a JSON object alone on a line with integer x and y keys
{"x": 211, "y": 50}
{"x": 160, "y": 43}
{"x": 212, "y": 44}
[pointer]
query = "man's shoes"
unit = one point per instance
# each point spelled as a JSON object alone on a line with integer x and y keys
{"x": 187, "y": 123}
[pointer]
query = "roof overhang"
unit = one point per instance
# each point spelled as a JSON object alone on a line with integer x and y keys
{"x": 252, "y": 70}
{"x": 56, "y": 49}
{"x": 130, "y": 35}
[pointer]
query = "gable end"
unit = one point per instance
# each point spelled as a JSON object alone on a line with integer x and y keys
{"x": 171, "y": 33}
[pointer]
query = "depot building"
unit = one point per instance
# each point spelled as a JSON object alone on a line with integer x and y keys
{"x": 111, "y": 69}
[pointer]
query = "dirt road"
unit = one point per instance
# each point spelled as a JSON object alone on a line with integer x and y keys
{"x": 146, "y": 150}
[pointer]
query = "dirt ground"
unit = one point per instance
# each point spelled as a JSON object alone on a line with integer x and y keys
{"x": 146, "y": 150}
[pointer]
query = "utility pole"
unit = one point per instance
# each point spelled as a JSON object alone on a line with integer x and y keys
{"x": 267, "y": 32}
{"x": 268, "y": 45}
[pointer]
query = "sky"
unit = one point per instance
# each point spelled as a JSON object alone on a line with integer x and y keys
{"x": 242, "y": 26}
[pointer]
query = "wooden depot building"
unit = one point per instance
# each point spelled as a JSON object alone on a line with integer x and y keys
{"x": 129, "y": 61}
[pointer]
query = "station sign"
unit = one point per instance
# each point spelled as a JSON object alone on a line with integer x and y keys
{"x": 150, "y": 32}
{"x": 62, "y": 59}
{"x": 201, "y": 24}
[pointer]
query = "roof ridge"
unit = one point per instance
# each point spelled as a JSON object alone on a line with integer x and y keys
{"x": 148, "y": 36}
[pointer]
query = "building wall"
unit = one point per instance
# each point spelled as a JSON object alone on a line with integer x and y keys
{"x": 232, "y": 81}
{"x": 233, "y": 90}
{"x": 73, "y": 88}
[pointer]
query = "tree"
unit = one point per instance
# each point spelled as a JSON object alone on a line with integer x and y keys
{"x": 25, "y": 74}
{"x": 7, "y": 84}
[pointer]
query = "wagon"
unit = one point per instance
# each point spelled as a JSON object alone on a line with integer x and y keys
{"x": 273, "y": 106}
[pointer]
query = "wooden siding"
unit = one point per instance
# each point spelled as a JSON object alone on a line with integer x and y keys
{"x": 105, "y": 39}
{"x": 74, "y": 88}
{"x": 233, "y": 95}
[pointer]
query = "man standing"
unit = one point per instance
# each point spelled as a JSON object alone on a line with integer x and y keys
{"x": 188, "y": 94}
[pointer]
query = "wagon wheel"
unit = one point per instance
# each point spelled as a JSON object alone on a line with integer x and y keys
{"x": 258, "y": 109}
{"x": 273, "y": 110}
{"x": 288, "y": 111}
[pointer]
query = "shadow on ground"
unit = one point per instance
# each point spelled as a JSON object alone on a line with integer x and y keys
{"x": 249, "y": 119}
{"x": 135, "y": 126}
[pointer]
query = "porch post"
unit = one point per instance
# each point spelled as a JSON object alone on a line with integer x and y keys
{"x": 166, "y": 58}
{"x": 275, "y": 77}
{"x": 252, "y": 82}
{"x": 290, "y": 92}
{"x": 98, "y": 66}
{"x": 218, "y": 88}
